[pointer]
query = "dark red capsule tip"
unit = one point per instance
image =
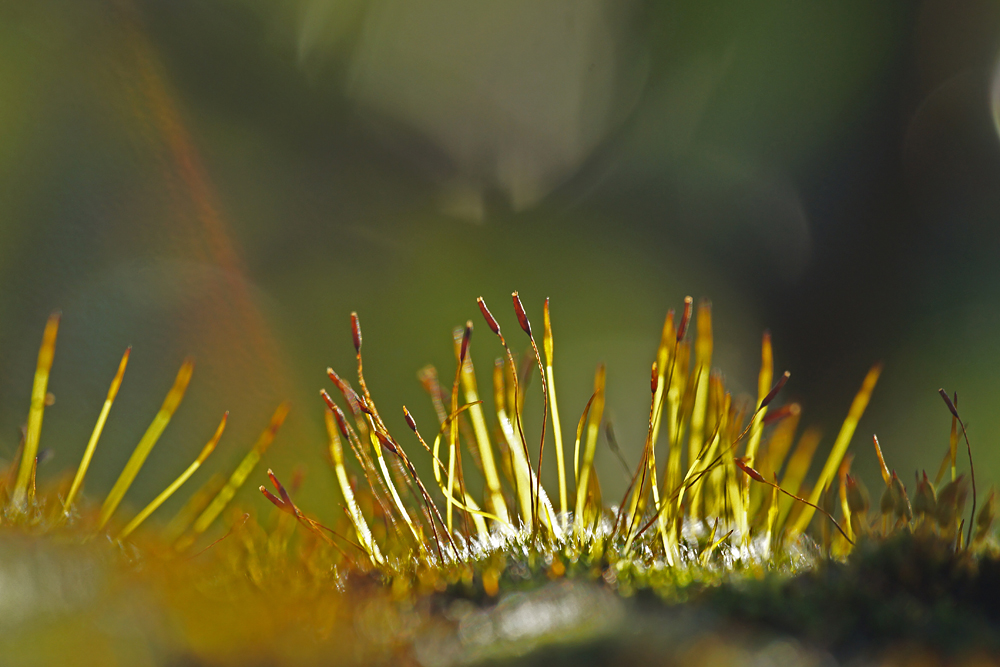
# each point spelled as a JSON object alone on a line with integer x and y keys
{"x": 271, "y": 497}
{"x": 341, "y": 420}
{"x": 654, "y": 379}
{"x": 522, "y": 317}
{"x": 385, "y": 442}
{"x": 948, "y": 402}
{"x": 488, "y": 316}
{"x": 745, "y": 467}
{"x": 775, "y": 389}
{"x": 409, "y": 420}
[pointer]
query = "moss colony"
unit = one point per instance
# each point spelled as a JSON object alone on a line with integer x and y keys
{"x": 708, "y": 557}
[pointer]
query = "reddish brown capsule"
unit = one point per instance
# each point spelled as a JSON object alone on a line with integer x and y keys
{"x": 741, "y": 462}
{"x": 465, "y": 342}
{"x": 775, "y": 389}
{"x": 490, "y": 320}
{"x": 386, "y": 442}
{"x": 274, "y": 500}
{"x": 279, "y": 487}
{"x": 356, "y": 332}
{"x": 341, "y": 419}
{"x": 947, "y": 401}
{"x": 351, "y": 396}
{"x": 339, "y": 381}
{"x": 329, "y": 401}
{"x": 685, "y": 318}
{"x": 409, "y": 420}
{"x": 522, "y": 317}
{"x": 654, "y": 379}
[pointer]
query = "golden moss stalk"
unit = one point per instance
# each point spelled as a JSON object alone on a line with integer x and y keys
{"x": 586, "y": 468}
{"x": 357, "y": 518}
{"x": 482, "y": 435}
{"x": 39, "y": 392}
{"x": 176, "y": 484}
{"x": 236, "y": 480}
{"x": 88, "y": 453}
{"x": 703, "y": 368}
{"x": 839, "y": 446}
{"x": 146, "y": 443}
{"x": 522, "y": 460}
{"x": 549, "y": 346}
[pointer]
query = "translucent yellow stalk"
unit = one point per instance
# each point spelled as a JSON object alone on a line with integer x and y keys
{"x": 664, "y": 357}
{"x": 88, "y": 453}
{"x": 697, "y": 468}
{"x": 648, "y": 465}
{"x": 764, "y": 380}
{"x": 145, "y": 445}
{"x": 795, "y": 471}
{"x": 388, "y": 480}
{"x": 772, "y": 518}
{"x": 177, "y": 483}
{"x": 39, "y": 390}
{"x": 716, "y": 480}
{"x": 525, "y": 480}
{"x": 839, "y": 447}
{"x": 521, "y": 469}
{"x": 514, "y": 404}
{"x": 452, "y": 456}
{"x": 236, "y": 480}
{"x": 353, "y": 511}
{"x": 702, "y": 368}
{"x": 719, "y": 476}
{"x": 773, "y": 458}
{"x": 593, "y": 427}
{"x": 737, "y": 498}
{"x": 482, "y": 434}
{"x": 516, "y": 401}
{"x": 547, "y": 344}
{"x": 469, "y": 505}
{"x": 674, "y": 399}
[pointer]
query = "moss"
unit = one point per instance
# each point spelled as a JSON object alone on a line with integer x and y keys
{"x": 710, "y": 540}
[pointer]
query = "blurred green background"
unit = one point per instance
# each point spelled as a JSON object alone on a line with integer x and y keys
{"x": 230, "y": 179}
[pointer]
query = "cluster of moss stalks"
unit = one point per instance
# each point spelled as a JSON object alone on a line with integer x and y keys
{"x": 723, "y": 519}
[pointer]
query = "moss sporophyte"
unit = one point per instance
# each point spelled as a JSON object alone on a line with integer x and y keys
{"x": 728, "y": 505}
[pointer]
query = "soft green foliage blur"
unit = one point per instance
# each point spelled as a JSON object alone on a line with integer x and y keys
{"x": 401, "y": 159}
